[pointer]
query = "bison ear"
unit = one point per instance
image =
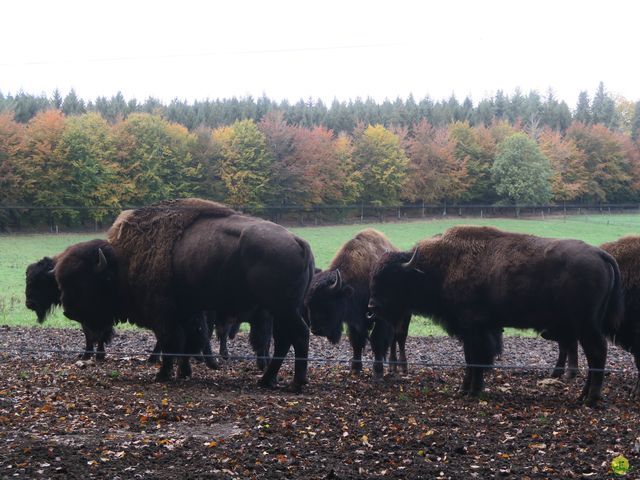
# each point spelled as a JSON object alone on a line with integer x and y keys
{"x": 102, "y": 262}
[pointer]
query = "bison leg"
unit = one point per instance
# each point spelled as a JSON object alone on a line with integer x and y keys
{"x": 260, "y": 338}
{"x": 358, "y": 341}
{"x": 100, "y": 353}
{"x": 572, "y": 356}
{"x": 173, "y": 343}
{"x": 595, "y": 349}
{"x": 401, "y": 338}
{"x": 209, "y": 359}
{"x": 465, "y": 388}
{"x": 155, "y": 354}
{"x": 483, "y": 346}
{"x": 636, "y": 389}
{"x": 558, "y": 370}
{"x": 88, "y": 344}
{"x": 184, "y": 368}
{"x": 381, "y": 336}
{"x": 222, "y": 332}
{"x": 301, "y": 350}
{"x": 281, "y": 345}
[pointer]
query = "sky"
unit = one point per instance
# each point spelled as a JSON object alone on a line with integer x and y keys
{"x": 193, "y": 50}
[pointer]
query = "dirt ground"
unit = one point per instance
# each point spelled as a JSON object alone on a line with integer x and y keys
{"x": 65, "y": 418}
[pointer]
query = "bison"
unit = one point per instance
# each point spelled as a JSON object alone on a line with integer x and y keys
{"x": 43, "y": 295}
{"x": 169, "y": 261}
{"x": 476, "y": 280}
{"x": 339, "y": 295}
{"x": 626, "y": 251}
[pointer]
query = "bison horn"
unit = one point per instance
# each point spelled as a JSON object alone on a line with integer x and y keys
{"x": 102, "y": 261}
{"x": 413, "y": 262}
{"x": 337, "y": 285}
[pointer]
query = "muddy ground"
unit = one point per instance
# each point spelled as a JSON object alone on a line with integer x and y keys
{"x": 63, "y": 418}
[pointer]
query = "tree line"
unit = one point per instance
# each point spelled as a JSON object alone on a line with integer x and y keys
{"x": 110, "y": 154}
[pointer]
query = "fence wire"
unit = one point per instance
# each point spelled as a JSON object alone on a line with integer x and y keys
{"x": 421, "y": 363}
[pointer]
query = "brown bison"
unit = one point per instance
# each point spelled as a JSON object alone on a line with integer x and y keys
{"x": 168, "y": 262}
{"x": 626, "y": 251}
{"x": 476, "y": 280}
{"x": 339, "y": 295}
{"x": 42, "y": 296}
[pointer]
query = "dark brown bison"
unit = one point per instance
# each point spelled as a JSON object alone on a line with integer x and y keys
{"x": 626, "y": 251}
{"x": 339, "y": 295}
{"x": 167, "y": 262}
{"x": 476, "y": 280}
{"x": 89, "y": 296}
{"x": 42, "y": 296}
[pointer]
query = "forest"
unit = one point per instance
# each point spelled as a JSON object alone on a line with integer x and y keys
{"x": 511, "y": 149}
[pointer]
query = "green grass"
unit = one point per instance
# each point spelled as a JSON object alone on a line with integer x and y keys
{"x": 18, "y": 251}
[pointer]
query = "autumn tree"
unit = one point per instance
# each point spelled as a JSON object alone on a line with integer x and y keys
{"x": 245, "y": 164}
{"x": 154, "y": 159}
{"x": 86, "y": 150}
{"x": 609, "y": 170}
{"x": 11, "y": 133}
{"x": 435, "y": 174}
{"x": 635, "y": 123}
{"x": 41, "y": 168}
{"x": 475, "y": 148}
{"x": 521, "y": 172}
{"x": 382, "y": 162}
{"x": 570, "y": 178}
{"x": 326, "y": 171}
{"x": 286, "y": 178}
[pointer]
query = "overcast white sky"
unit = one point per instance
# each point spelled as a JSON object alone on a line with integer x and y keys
{"x": 323, "y": 49}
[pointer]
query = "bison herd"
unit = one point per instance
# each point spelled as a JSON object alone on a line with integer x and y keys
{"x": 187, "y": 268}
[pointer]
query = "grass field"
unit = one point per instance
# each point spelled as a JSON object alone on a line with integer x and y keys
{"x": 18, "y": 251}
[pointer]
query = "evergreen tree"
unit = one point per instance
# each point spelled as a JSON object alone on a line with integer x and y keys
{"x": 583, "y": 109}
{"x": 72, "y": 105}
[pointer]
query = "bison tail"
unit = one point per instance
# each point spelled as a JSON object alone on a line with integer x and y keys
{"x": 613, "y": 311}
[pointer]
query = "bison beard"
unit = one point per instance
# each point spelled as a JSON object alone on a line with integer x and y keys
{"x": 626, "y": 251}
{"x": 339, "y": 296}
{"x": 179, "y": 258}
{"x": 476, "y": 280}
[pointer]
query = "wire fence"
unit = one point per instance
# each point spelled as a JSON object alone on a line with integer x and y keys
{"x": 58, "y": 218}
{"x": 322, "y": 360}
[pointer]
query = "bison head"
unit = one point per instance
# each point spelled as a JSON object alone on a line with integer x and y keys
{"x": 42, "y": 293}
{"x": 392, "y": 281}
{"x": 327, "y": 302}
{"x": 87, "y": 275}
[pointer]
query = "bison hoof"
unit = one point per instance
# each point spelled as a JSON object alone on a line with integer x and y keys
{"x": 100, "y": 357}
{"x": 212, "y": 363}
{"x": 162, "y": 377}
{"x": 268, "y": 383}
{"x": 295, "y": 387}
{"x": 153, "y": 358}
{"x": 557, "y": 373}
{"x": 593, "y": 403}
{"x": 85, "y": 356}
